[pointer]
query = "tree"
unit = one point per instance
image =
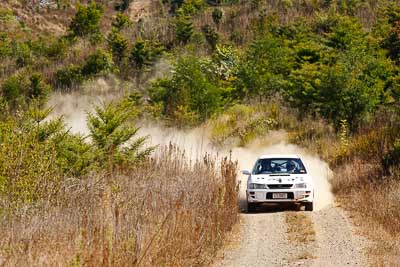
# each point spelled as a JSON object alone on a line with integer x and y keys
{"x": 98, "y": 62}
{"x": 86, "y": 22}
{"x": 118, "y": 45}
{"x": 264, "y": 69}
{"x": 113, "y": 135}
{"x": 211, "y": 35}
{"x": 12, "y": 90}
{"x": 124, "y": 5}
{"x": 191, "y": 90}
{"x": 121, "y": 21}
{"x": 140, "y": 55}
{"x": 184, "y": 29}
{"x": 392, "y": 42}
{"x": 38, "y": 89}
{"x": 217, "y": 16}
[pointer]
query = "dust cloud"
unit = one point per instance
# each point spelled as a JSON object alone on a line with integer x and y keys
{"x": 195, "y": 142}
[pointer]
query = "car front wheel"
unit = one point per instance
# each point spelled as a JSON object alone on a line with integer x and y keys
{"x": 251, "y": 207}
{"x": 309, "y": 206}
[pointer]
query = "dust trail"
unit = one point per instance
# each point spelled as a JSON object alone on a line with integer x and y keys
{"x": 196, "y": 142}
{"x": 73, "y": 106}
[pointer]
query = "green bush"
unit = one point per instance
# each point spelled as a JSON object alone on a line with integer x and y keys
{"x": 86, "y": 22}
{"x": 28, "y": 172}
{"x": 38, "y": 88}
{"x": 99, "y": 62}
{"x": 217, "y": 15}
{"x": 191, "y": 89}
{"x": 69, "y": 76}
{"x": 13, "y": 90}
{"x": 113, "y": 135}
{"x": 145, "y": 53}
{"x": 5, "y": 46}
{"x": 118, "y": 45}
{"x": 264, "y": 69}
{"x": 121, "y": 21}
{"x": 184, "y": 29}
{"x": 211, "y": 35}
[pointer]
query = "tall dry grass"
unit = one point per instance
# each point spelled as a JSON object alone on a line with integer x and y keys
{"x": 374, "y": 203}
{"x": 169, "y": 211}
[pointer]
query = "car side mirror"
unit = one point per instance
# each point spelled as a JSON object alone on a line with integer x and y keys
{"x": 246, "y": 172}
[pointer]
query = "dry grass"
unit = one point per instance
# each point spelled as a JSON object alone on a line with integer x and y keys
{"x": 167, "y": 212}
{"x": 375, "y": 204}
{"x": 300, "y": 227}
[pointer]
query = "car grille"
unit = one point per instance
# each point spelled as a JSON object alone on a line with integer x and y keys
{"x": 290, "y": 195}
{"x": 280, "y": 186}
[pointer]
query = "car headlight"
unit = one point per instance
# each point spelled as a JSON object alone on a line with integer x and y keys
{"x": 301, "y": 185}
{"x": 258, "y": 186}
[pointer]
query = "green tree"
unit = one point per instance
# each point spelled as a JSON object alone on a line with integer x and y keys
{"x": 13, "y": 90}
{"x": 264, "y": 69}
{"x": 69, "y": 76}
{"x": 113, "y": 135}
{"x": 121, "y": 21}
{"x": 350, "y": 89}
{"x": 140, "y": 55}
{"x": 86, "y": 22}
{"x": 123, "y": 6}
{"x": 118, "y": 45}
{"x": 217, "y": 15}
{"x": 184, "y": 29}
{"x": 211, "y": 35}
{"x": 96, "y": 63}
{"x": 192, "y": 90}
{"x": 38, "y": 89}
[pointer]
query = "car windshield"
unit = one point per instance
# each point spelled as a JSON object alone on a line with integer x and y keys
{"x": 279, "y": 165}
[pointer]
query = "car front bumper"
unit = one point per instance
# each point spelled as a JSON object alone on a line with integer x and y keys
{"x": 268, "y": 195}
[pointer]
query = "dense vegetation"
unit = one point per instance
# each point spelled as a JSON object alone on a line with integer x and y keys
{"x": 325, "y": 71}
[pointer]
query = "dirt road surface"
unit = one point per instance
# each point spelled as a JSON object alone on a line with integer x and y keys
{"x": 264, "y": 238}
{"x": 264, "y": 241}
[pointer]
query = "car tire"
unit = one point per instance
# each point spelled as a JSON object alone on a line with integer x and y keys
{"x": 309, "y": 206}
{"x": 251, "y": 207}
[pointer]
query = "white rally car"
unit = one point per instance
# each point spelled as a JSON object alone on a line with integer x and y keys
{"x": 279, "y": 179}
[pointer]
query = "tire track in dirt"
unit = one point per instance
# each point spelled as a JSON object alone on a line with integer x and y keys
{"x": 264, "y": 241}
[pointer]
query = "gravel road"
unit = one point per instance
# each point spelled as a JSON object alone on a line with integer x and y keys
{"x": 264, "y": 241}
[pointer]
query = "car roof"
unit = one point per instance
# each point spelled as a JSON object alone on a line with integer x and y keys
{"x": 280, "y": 156}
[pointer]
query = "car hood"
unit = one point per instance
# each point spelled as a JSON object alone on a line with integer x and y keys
{"x": 280, "y": 178}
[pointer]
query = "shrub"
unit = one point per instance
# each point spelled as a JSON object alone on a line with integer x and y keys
{"x": 23, "y": 55}
{"x": 144, "y": 53}
{"x": 211, "y": 35}
{"x": 69, "y": 76}
{"x": 13, "y": 90}
{"x": 38, "y": 89}
{"x": 121, "y": 21}
{"x": 57, "y": 49}
{"x": 240, "y": 124}
{"x": 112, "y": 136}
{"x": 118, "y": 45}
{"x": 97, "y": 63}
{"x": 217, "y": 16}
{"x": 5, "y": 46}
{"x": 183, "y": 28}
{"x": 28, "y": 172}
{"x": 191, "y": 86}
{"x": 86, "y": 22}
{"x": 140, "y": 55}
